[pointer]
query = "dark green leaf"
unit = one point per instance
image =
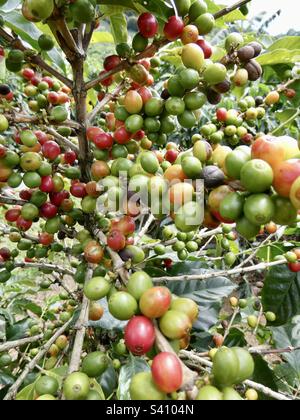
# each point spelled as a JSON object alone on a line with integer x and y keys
{"x": 109, "y": 381}
{"x": 264, "y": 375}
{"x": 289, "y": 336}
{"x": 281, "y": 294}
{"x": 6, "y": 379}
{"x": 201, "y": 341}
{"x": 18, "y": 330}
{"x": 28, "y": 305}
{"x": 235, "y": 338}
{"x": 7, "y": 315}
{"x": 287, "y": 377}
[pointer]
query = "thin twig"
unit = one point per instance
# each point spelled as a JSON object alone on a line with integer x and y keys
{"x": 36, "y": 59}
{"x": 230, "y": 9}
{"x": 255, "y": 252}
{"x": 101, "y": 104}
{"x": 213, "y": 274}
{"x": 80, "y": 326}
{"x": 12, "y": 201}
{"x": 144, "y": 229}
{"x": 64, "y": 142}
{"x": 258, "y": 387}
{"x": 11, "y": 394}
{"x": 153, "y": 48}
{"x": 42, "y": 265}
{"x": 234, "y": 315}
{"x": 19, "y": 343}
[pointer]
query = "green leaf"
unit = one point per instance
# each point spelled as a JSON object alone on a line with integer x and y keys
{"x": 7, "y": 315}
{"x": 281, "y": 294}
{"x": 118, "y": 26}
{"x": 102, "y": 37}
{"x": 289, "y": 336}
{"x": 117, "y": 4}
{"x": 283, "y": 116}
{"x": 18, "y": 330}
{"x": 132, "y": 367}
{"x": 97, "y": 387}
{"x": 264, "y": 375}
{"x": 27, "y": 393}
{"x": 161, "y": 10}
{"x": 235, "y": 338}
{"x": 201, "y": 341}
{"x": 6, "y": 379}
{"x": 109, "y": 381}
{"x": 279, "y": 56}
{"x": 287, "y": 378}
{"x": 28, "y": 305}
{"x": 287, "y": 42}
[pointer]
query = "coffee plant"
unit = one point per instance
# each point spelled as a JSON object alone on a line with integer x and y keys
{"x": 150, "y": 197}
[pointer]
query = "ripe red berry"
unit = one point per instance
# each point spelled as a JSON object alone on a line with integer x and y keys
{"x": 48, "y": 210}
{"x": 145, "y": 94}
{"x": 173, "y": 28}
{"x": 23, "y": 224}
{"x": 46, "y": 239}
{"x": 51, "y": 150}
{"x": 28, "y": 74}
{"x": 53, "y": 98}
{"x": 58, "y": 197}
{"x": 92, "y": 132}
{"x": 35, "y": 81}
{"x": 171, "y": 155}
{"x": 41, "y": 136}
{"x": 3, "y": 151}
{"x": 106, "y": 81}
{"x": 47, "y": 184}
{"x": 25, "y": 195}
{"x": 139, "y": 135}
{"x": 12, "y": 215}
{"x": 290, "y": 93}
{"x": 168, "y": 263}
{"x": 103, "y": 141}
{"x": 222, "y": 114}
{"x": 70, "y": 157}
{"x": 148, "y": 25}
{"x": 111, "y": 62}
{"x": 116, "y": 240}
{"x": 48, "y": 80}
{"x": 167, "y": 372}
{"x": 247, "y": 138}
{"x": 5, "y": 254}
{"x": 295, "y": 267}
{"x": 206, "y": 48}
{"x": 78, "y": 190}
{"x": 146, "y": 64}
{"x": 139, "y": 335}
{"x": 122, "y": 136}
